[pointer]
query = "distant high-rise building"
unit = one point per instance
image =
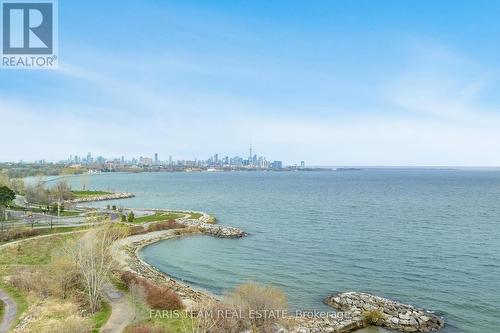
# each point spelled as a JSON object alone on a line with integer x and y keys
{"x": 170, "y": 160}
{"x": 302, "y": 164}
{"x": 156, "y": 158}
{"x": 146, "y": 161}
{"x": 123, "y": 159}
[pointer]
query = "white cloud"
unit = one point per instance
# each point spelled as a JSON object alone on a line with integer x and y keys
{"x": 439, "y": 121}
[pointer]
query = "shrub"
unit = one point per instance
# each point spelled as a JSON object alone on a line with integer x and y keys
{"x": 136, "y": 230}
{"x": 373, "y": 316}
{"x": 161, "y": 298}
{"x": 128, "y": 277}
{"x": 18, "y": 233}
{"x": 64, "y": 277}
{"x": 158, "y": 297}
{"x": 212, "y": 317}
{"x": 186, "y": 231}
{"x": 131, "y": 217}
{"x": 166, "y": 225}
{"x": 28, "y": 279}
{"x": 251, "y": 297}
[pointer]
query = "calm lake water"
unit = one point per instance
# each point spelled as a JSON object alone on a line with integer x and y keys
{"x": 426, "y": 237}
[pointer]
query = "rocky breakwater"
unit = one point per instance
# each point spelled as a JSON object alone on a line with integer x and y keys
{"x": 126, "y": 252}
{"x": 383, "y": 312}
{"x": 206, "y": 224}
{"x": 102, "y": 197}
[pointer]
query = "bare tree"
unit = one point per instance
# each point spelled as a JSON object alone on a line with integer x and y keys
{"x": 93, "y": 260}
{"x": 37, "y": 194}
{"x": 60, "y": 193}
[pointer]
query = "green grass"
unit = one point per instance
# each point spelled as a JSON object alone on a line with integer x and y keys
{"x": 82, "y": 194}
{"x": 195, "y": 216}
{"x": 54, "y": 230}
{"x": 36, "y": 252}
{"x": 118, "y": 283}
{"x": 2, "y": 310}
{"x": 158, "y": 216}
{"x": 58, "y": 230}
{"x": 100, "y": 318}
{"x": 68, "y": 213}
{"x": 65, "y": 213}
{"x": 20, "y": 299}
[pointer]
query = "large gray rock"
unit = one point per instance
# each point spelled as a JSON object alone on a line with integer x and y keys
{"x": 392, "y": 314}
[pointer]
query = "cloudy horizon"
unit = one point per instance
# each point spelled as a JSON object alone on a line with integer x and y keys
{"x": 330, "y": 83}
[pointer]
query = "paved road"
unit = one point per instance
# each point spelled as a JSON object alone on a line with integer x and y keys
{"x": 10, "y": 311}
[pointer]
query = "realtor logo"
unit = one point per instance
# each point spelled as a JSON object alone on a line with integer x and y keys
{"x": 29, "y": 34}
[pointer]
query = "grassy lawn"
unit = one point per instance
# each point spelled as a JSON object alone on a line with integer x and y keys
{"x": 158, "y": 216}
{"x": 195, "y": 216}
{"x": 101, "y": 317}
{"x": 55, "y": 230}
{"x": 2, "y": 310}
{"x": 37, "y": 252}
{"x": 65, "y": 213}
{"x": 68, "y": 213}
{"x": 82, "y": 194}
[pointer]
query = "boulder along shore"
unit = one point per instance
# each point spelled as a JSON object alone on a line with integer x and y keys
{"x": 359, "y": 310}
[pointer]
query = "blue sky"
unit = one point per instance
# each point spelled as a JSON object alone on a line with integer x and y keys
{"x": 329, "y": 82}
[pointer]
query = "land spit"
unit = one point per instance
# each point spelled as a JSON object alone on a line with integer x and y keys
{"x": 359, "y": 310}
{"x": 384, "y": 312}
{"x": 101, "y": 197}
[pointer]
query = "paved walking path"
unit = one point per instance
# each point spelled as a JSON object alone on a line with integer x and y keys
{"x": 123, "y": 312}
{"x": 9, "y": 313}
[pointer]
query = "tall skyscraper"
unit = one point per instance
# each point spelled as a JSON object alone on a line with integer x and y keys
{"x": 250, "y": 156}
{"x": 156, "y": 158}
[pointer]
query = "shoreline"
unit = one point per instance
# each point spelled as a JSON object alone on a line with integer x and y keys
{"x": 359, "y": 310}
{"x": 101, "y": 197}
{"x": 127, "y": 252}
{"x": 391, "y": 314}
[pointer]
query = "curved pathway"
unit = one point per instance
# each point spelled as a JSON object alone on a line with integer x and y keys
{"x": 122, "y": 311}
{"x": 9, "y": 313}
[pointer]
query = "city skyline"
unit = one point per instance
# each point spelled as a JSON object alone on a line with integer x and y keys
{"x": 333, "y": 83}
{"x": 252, "y": 160}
